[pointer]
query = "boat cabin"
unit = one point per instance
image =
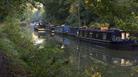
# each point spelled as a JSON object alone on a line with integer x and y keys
{"x": 110, "y": 35}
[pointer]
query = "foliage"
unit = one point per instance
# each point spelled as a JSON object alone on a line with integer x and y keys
{"x": 116, "y": 13}
{"x": 12, "y": 8}
{"x": 49, "y": 61}
{"x": 66, "y": 11}
{"x": 30, "y": 60}
{"x": 25, "y": 58}
{"x": 58, "y": 13}
{"x": 10, "y": 48}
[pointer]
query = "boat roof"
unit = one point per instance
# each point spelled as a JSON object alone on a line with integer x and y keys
{"x": 98, "y": 30}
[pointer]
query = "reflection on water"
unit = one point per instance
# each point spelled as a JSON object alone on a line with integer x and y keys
{"x": 107, "y": 56}
{"x": 83, "y": 55}
{"x": 37, "y": 40}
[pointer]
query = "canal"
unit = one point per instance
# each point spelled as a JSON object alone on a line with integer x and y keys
{"x": 93, "y": 60}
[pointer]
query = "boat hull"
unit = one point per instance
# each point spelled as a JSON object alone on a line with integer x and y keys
{"x": 122, "y": 45}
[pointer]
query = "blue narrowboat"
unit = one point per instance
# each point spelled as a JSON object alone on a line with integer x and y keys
{"x": 112, "y": 38}
{"x": 74, "y": 31}
{"x": 62, "y": 29}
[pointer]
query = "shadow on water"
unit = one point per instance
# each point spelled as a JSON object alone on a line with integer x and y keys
{"x": 84, "y": 56}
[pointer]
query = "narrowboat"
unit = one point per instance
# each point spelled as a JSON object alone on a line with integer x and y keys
{"x": 62, "y": 29}
{"x": 73, "y": 31}
{"x": 39, "y": 27}
{"x": 112, "y": 38}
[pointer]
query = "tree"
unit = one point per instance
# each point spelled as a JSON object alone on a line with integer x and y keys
{"x": 12, "y": 8}
{"x": 56, "y": 10}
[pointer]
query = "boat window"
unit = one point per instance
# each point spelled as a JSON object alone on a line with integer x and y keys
{"x": 91, "y": 34}
{"x": 123, "y": 35}
{"x": 97, "y": 35}
{"x": 109, "y": 36}
{"x": 104, "y": 36}
{"x": 113, "y": 38}
{"x": 127, "y": 35}
{"x": 118, "y": 38}
{"x": 88, "y": 34}
{"x": 85, "y": 34}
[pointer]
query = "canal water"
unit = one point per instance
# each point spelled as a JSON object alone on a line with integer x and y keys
{"x": 90, "y": 60}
